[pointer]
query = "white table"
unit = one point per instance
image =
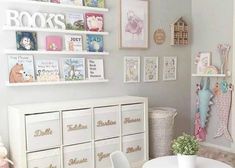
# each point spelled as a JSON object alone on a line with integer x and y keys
{"x": 171, "y": 162}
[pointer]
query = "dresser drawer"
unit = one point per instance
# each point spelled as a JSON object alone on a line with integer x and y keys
{"x": 42, "y": 131}
{"x": 103, "y": 149}
{"x": 132, "y": 119}
{"x": 78, "y": 156}
{"x": 45, "y": 159}
{"x": 76, "y": 126}
{"x": 106, "y": 122}
{"x": 133, "y": 147}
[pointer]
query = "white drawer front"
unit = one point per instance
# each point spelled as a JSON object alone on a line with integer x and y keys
{"x": 76, "y": 126}
{"x": 45, "y": 159}
{"x": 78, "y": 156}
{"x": 132, "y": 119}
{"x": 133, "y": 147}
{"x": 42, "y": 131}
{"x": 106, "y": 122}
{"x": 103, "y": 149}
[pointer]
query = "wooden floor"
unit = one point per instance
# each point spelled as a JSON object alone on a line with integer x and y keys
{"x": 212, "y": 153}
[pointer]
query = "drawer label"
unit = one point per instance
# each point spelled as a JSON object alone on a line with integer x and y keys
{"x": 133, "y": 149}
{"x": 40, "y": 133}
{"x": 102, "y": 156}
{"x": 76, "y": 127}
{"x": 105, "y": 123}
{"x": 76, "y": 161}
{"x": 129, "y": 120}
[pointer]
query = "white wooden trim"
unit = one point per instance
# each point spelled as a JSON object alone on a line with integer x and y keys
{"x": 55, "y": 83}
{"x": 233, "y": 81}
{"x": 44, "y": 52}
{"x": 209, "y": 75}
{"x": 48, "y": 30}
{"x": 59, "y": 6}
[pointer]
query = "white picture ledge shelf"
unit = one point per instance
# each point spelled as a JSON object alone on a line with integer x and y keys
{"x": 54, "y": 5}
{"x": 44, "y": 52}
{"x": 14, "y": 28}
{"x": 55, "y": 83}
{"x": 209, "y": 75}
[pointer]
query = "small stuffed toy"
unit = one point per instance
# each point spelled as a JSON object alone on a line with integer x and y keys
{"x": 4, "y": 161}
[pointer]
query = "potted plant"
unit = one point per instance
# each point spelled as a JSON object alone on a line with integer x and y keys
{"x": 186, "y": 148}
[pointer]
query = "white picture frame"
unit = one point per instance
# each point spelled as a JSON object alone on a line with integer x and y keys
{"x": 170, "y": 68}
{"x": 136, "y": 36}
{"x": 131, "y": 69}
{"x": 204, "y": 61}
{"x": 151, "y": 69}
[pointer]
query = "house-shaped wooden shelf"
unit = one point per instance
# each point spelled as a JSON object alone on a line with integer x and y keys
{"x": 179, "y": 32}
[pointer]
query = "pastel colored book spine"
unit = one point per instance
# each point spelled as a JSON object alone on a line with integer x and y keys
{"x": 21, "y": 68}
{"x": 73, "y": 43}
{"x": 94, "y": 22}
{"x": 54, "y": 43}
{"x": 73, "y": 69}
{"x": 95, "y": 43}
{"x": 47, "y": 70}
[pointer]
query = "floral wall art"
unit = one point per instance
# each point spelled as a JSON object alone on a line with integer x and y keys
{"x": 150, "y": 69}
{"x": 131, "y": 69}
{"x": 134, "y": 24}
{"x": 170, "y": 68}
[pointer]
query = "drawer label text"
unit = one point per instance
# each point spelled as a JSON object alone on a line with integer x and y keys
{"x": 133, "y": 149}
{"x": 76, "y": 127}
{"x": 46, "y": 132}
{"x": 76, "y": 161}
{"x": 105, "y": 123}
{"x": 102, "y": 156}
{"x": 131, "y": 120}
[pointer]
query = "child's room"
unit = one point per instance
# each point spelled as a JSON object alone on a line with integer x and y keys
{"x": 117, "y": 84}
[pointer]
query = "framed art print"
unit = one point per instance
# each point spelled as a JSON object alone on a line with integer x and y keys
{"x": 170, "y": 68}
{"x": 150, "y": 69}
{"x": 132, "y": 69}
{"x": 134, "y": 24}
{"x": 204, "y": 61}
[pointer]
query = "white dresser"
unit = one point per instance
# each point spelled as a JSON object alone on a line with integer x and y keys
{"x": 79, "y": 134}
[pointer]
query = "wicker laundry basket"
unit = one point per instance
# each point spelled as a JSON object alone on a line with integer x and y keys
{"x": 161, "y": 124}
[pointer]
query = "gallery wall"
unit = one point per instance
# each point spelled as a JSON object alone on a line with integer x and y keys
{"x": 212, "y": 22}
{"x": 173, "y": 93}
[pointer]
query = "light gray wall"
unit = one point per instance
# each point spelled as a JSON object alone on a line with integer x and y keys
{"x": 212, "y": 24}
{"x": 174, "y": 93}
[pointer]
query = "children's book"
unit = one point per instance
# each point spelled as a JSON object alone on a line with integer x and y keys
{"x": 73, "y": 69}
{"x": 94, "y": 3}
{"x": 95, "y": 43}
{"x": 95, "y": 69}
{"x": 55, "y": 1}
{"x": 94, "y": 22}
{"x": 73, "y": 43}
{"x": 75, "y": 21}
{"x": 47, "y": 70}
{"x": 54, "y": 43}
{"x": 72, "y": 2}
{"x": 26, "y": 40}
{"x": 21, "y": 68}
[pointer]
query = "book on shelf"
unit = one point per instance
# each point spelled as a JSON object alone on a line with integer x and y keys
{"x": 94, "y": 3}
{"x": 72, "y": 2}
{"x": 42, "y": 0}
{"x": 21, "y": 68}
{"x": 47, "y": 70}
{"x": 55, "y": 1}
{"x": 95, "y": 43}
{"x": 73, "y": 69}
{"x": 73, "y": 43}
{"x": 95, "y": 68}
{"x": 26, "y": 41}
{"x": 94, "y": 22}
{"x": 75, "y": 21}
{"x": 54, "y": 43}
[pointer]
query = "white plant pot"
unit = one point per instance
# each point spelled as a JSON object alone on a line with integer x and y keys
{"x": 186, "y": 161}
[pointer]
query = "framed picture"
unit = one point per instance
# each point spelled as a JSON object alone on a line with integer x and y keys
{"x": 134, "y": 24}
{"x": 203, "y": 61}
{"x": 132, "y": 69}
{"x": 150, "y": 69}
{"x": 170, "y": 68}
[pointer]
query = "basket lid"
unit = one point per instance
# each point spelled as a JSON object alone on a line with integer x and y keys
{"x": 162, "y": 114}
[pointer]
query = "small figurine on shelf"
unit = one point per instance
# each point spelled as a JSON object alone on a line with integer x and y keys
{"x": 4, "y": 161}
{"x": 224, "y": 50}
